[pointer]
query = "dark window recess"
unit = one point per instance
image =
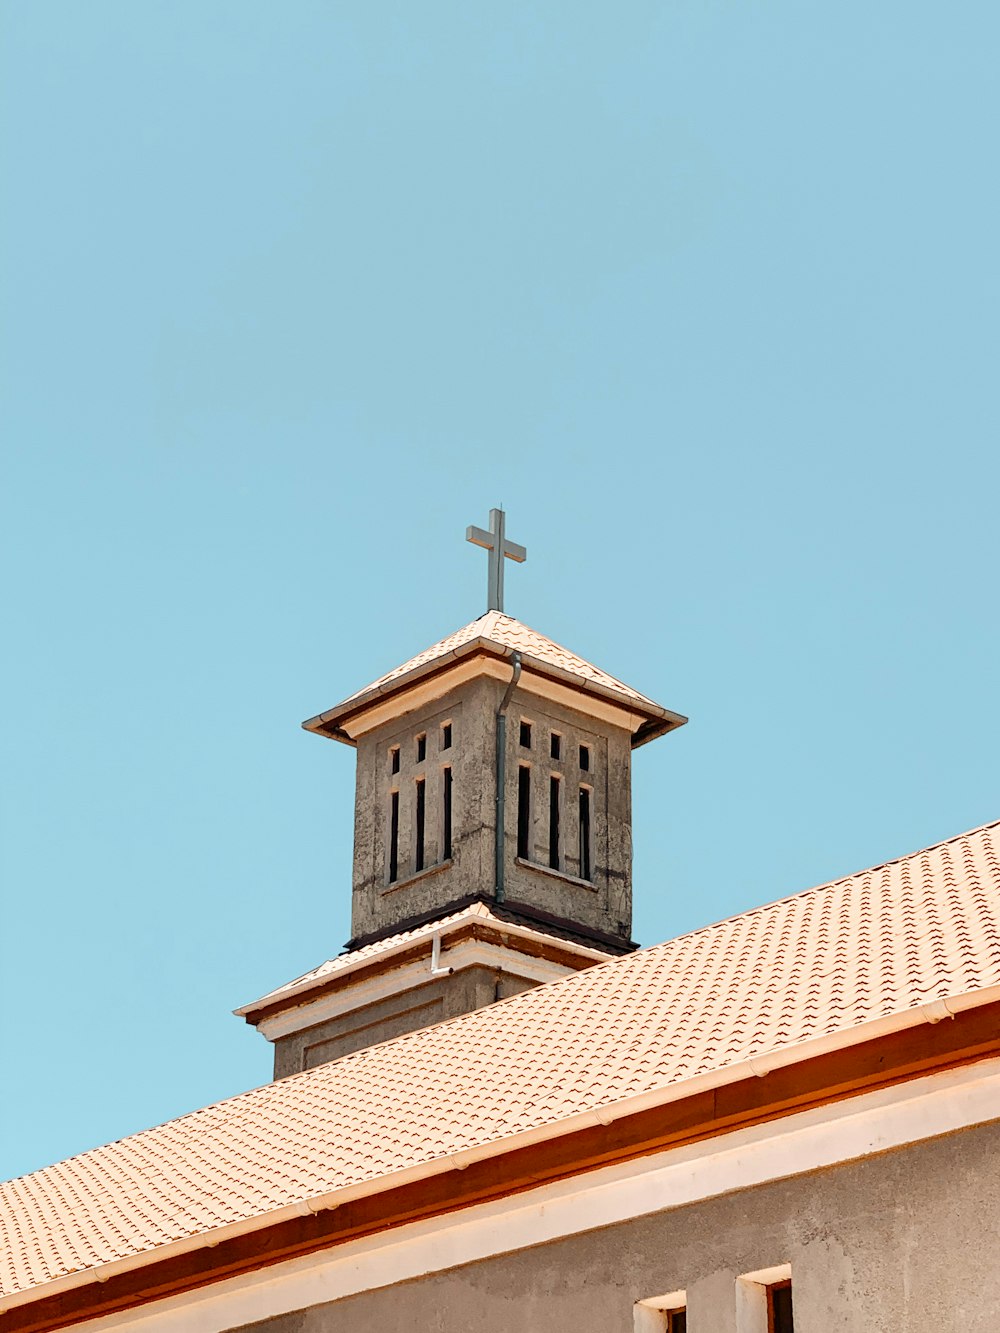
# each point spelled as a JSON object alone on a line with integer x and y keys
{"x": 526, "y": 735}
{"x": 779, "y": 1308}
{"x": 394, "y": 837}
{"x": 394, "y": 758}
{"x": 446, "y": 816}
{"x": 554, "y": 823}
{"x": 523, "y": 810}
{"x": 585, "y": 867}
{"x": 677, "y": 1321}
{"x": 585, "y": 758}
{"x": 446, "y": 736}
{"x": 418, "y": 859}
{"x": 421, "y": 748}
{"x": 555, "y": 745}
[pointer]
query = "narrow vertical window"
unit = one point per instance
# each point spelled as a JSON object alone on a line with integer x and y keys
{"x": 394, "y": 759}
{"x": 584, "y": 758}
{"x": 523, "y": 810}
{"x": 446, "y": 736}
{"x": 677, "y": 1321}
{"x": 421, "y": 748}
{"x": 555, "y": 745}
{"x": 420, "y": 820}
{"x": 394, "y": 837}
{"x": 779, "y": 1308}
{"x": 421, "y": 814}
{"x": 585, "y": 866}
{"x": 446, "y": 816}
{"x": 554, "y": 822}
{"x": 525, "y": 735}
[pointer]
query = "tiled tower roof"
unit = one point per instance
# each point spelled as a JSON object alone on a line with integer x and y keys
{"x": 501, "y": 635}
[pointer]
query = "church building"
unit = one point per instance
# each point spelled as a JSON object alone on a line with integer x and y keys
{"x": 494, "y": 1111}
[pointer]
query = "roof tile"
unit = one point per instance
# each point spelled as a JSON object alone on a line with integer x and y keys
{"x": 505, "y": 632}
{"x": 864, "y": 947}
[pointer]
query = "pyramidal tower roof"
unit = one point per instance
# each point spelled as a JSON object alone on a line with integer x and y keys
{"x": 498, "y": 635}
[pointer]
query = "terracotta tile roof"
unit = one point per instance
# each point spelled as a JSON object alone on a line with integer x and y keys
{"x": 502, "y": 633}
{"x": 919, "y": 929}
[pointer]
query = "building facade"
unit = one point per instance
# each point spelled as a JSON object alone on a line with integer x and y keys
{"x": 493, "y": 1110}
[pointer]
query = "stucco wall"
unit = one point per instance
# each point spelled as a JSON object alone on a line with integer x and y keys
{"x": 417, "y": 1007}
{"x": 377, "y": 904}
{"x": 902, "y": 1243}
{"x": 604, "y": 903}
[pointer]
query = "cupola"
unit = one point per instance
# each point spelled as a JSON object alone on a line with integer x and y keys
{"x": 493, "y": 778}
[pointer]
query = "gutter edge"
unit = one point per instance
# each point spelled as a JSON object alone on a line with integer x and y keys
{"x": 756, "y": 1066}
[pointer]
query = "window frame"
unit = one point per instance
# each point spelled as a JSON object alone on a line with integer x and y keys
{"x": 657, "y": 1314}
{"x": 754, "y": 1303}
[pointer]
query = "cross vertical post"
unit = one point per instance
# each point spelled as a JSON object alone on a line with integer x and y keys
{"x": 499, "y": 548}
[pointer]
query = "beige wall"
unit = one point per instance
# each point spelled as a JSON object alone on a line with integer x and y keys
{"x": 908, "y": 1242}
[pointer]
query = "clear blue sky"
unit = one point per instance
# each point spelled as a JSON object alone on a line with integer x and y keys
{"x": 705, "y": 292}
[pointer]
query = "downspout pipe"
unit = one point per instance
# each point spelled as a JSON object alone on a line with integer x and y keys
{"x": 436, "y": 969}
{"x": 502, "y": 775}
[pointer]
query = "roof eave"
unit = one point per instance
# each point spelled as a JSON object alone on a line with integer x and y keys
{"x": 657, "y": 720}
{"x": 754, "y": 1067}
{"x": 418, "y": 945}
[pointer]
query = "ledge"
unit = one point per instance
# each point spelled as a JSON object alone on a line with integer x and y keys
{"x": 556, "y": 874}
{"x": 413, "y": 879}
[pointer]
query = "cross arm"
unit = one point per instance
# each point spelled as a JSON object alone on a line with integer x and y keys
{"x": 479, "y": 536}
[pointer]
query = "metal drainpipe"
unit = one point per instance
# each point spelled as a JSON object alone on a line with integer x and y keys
{"x": 502, "y": 774}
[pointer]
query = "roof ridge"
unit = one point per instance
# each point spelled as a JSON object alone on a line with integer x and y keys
{"x": 896, "y": 860}
{"x": 570, "y": 651}
{"x": 493, "y": 633}
{"x": 147, "y": 1129}
{"x": 318, "y": 1072}
{"x": 892, "y": 939}
{"x": 589, "y": 971}
{"x": 817, "y": 888}
{"x": 300, "y": 1075}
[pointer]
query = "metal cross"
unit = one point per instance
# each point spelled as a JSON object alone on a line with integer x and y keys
{"x": 498, "y": 547}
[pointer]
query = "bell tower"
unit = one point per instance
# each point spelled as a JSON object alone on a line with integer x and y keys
{"x": 492, "y": 806}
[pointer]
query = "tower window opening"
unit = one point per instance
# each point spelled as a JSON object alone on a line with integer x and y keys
{"x": 394, "y": 759}
{"x": 446, "y": 736}
{"x": 554, "y": 803}
{"x": 421, "y": 815}
{"x": 525, "y": 735}
{"x": 586, "y": 870}
{"x": 676, "y": 1321}
{"x": 446, "y": 815}
{"x": 555, "y": 745}
{"x": 523, "y": 811}
{"x": 394, "y": 836}
{"x": 584, "y": 758}
{"x": 421, "y": 748}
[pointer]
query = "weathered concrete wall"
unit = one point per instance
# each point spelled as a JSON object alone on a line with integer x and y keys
{"x": 418, "y": 1007}
{"x": 381, "y": 903}
{"x": 604, "y": 903}
{"x": 902, "y": 1243}
{"x": 378, "y": 904}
